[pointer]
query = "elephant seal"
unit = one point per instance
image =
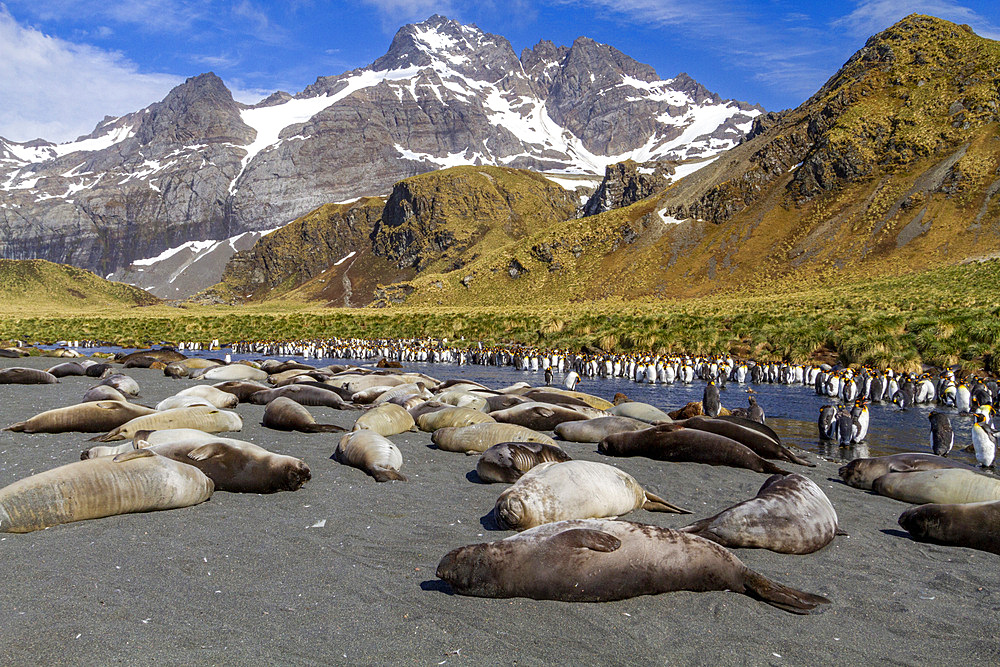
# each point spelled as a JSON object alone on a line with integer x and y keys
{"x": 150, "y": 438}
{"x": 595, "y": 402}
{"x": 425, "y": 407}
{"x": 284, "y": 414}
{"x": 538, "y": 416}
{"x": 90, "y": 417}
{"x": 644, "y": 412}
{"x": 432, "y": 421}
{"x": 504, "y": 401}
{"x": 123, "y": 383}
{"x": 573, "y": 490}
{"x": 99, "y": 370}
{"x": 137, "y": 481}
{"x": 480, "y": 437}
{"x": 670, "y": 442}
{"x": 861, "y": 473}
{"x": 237, "y": 466}
{"x": 506, "y": 462}
{"x": 369, "y": 451}
{"x": 790, "y": 515}
{"x": 241, "y": 389}
{"x": 598, "y": 560}
{"x": 67, "y": 369}
{"x": 214, "y": 395}
{"x": 463, "y": 399}
{"x": 177, "y": 401}
{"x": 972, "y": 525}
{"x": 103, "y": 392}
{"x": 947, "y": 486}
{"x": 203, "y": 418}
{"x": 542, "y": 395}
{"x": 18, "y": 375}
{"x": 234, "y": 372}
{"x": 595, "y": 430}
{"x": 756, "y": 440}
{"x": 386, "y": 419}
{"x": 302, "y": 394}
{"x": 166, "y": 355}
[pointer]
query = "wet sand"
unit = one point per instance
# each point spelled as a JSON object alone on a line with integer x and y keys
{"x": 342, "y": 571}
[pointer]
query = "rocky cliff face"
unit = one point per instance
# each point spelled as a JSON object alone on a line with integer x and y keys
{"x": 200, "y": 166}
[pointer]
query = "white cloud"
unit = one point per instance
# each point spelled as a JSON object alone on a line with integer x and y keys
{"x": 398, "y": 12}
{"x": 872, "y": 16}
{"x": 62, "y": 90}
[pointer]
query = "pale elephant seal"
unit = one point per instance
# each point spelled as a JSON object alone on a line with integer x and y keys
{"x": 103, "y": 392}
{"x": 506, "y": 462}
{"x": 595, "y": 430}
{"x": 758, "y": 441}
{"x": 463, "y": 399}
{"x": 601, "y": 560}
{"x": 204, "y": 418}
{"x": 371, "y": 394}
{"x": 669, "y": 442}
{"x": 375, "y": 454}
{"x": 176, "y": 401}
{"x": 538, "y": 416}
{"x": 790, "y": 514}
{"x": 642, "y": 411}
{"x": 214, "y": 395}
{"x": 149, "y": 438}
{"x": 478, "y": 438}
{"x": 123, "y": 383}
{"x": 90, "y": 417}
{"x": 972, "y": 525}
{"x": 425, "y": 407}
{"x": 542, "y": 395}
{"x": 17, "y": 375}
{"x": 234, "y": 372}
{"x": 432, "y": 421}
{"x": 386, "y": 419}
{"x": 860, "y": 473}
{"x": 946, "y": 486}
{"x": 284, "y": 414}
{"x": 573, "y": 490}
{"x": 237, "y": 466}
{"x": 137, "y": 481}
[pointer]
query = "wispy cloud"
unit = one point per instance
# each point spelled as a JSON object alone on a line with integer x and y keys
{"x": 871, "y": 16}
{"x": 397, "y": 12}
{"x": 160, "y": 16}
{"x": 63, "y": 89}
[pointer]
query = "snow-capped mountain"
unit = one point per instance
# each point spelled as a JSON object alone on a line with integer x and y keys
{"x": 198, "y": 165}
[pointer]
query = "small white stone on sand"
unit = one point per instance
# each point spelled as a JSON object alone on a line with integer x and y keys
{"x": 319, "y": 524}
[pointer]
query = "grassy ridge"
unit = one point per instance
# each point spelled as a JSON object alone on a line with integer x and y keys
{"x": 944, "y": 317}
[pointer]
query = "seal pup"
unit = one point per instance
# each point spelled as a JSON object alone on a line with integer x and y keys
{"x": 861, "y": 473}
{"x": 573, "y": 490}
{"x": 790, "y": 514}
{"x": 373, "y": 453}
{"x": 951, "y": 485}
{"x": 972, "y": 525}
{"x": 284, "y": 414}
{"x": 598, "y": 560}
{"x": 506, "y": 462}
{"x": 89, "y": 417}
{"x": 477, "y": 438}
{"x": 137, "y": 481}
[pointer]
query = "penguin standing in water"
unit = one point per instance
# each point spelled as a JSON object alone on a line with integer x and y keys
{"x": 845, "y": 427}
{"x": 942, "y": 437}
{"x": 548, "y": 375}
{"x": 827, "y": 422}
{"x": 859, "y": 415}
{"x": 984, "y": 441}
{"x": 755, "y": 412}
{"x": 572, "y": 379}
{"x": 711, "y": 405}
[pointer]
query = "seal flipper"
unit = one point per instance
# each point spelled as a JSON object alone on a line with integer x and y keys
{"x": 323, "y": 428}
{"x": 387, "y": 474}
{"x": 654, "y": 503}
{"x": 205, "y": 452}
{"x": 781, "y": 596}
{"x": 586, "y": 538}
{"x": 134, "y": 454}
{"x": 17, "y": 428}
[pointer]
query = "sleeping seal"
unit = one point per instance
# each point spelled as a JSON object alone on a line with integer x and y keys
{"x": 595, "y": 430}
{"x": 538, "y": 416}
{"x": 789, "y": 514}
{"x": 204, "y": 418}
{"x": 480, "y": 437}
{"x": 600, "y": 560}
{"x": 284, "y": 414}
{"x": 375, "y": 454}
{"x": 386, "y": 419}
{"x": 573, "y": 490}
{"x": 947, "y": 486}
{"x": 17, "y": 375}
{"x": 235, "y": 465}
{"x": 972, "y": 525}
{"x": 860, "y": 473}
{"x": 90, "y": 417}
{"x": 432, "y": 421}
{"x": 506, "y": 462}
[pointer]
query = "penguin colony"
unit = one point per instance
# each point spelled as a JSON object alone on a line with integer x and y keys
{"x": 504, "y": 426}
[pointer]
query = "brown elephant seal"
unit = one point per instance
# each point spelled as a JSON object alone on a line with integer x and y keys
{"x": 90, "y": 417}
{"x": 573, "y": 490}
{"x": 506, "y": 462}
{"x": 694, "y": 409}
{"x": 375, "y": 454}
{"x": 642, "y": 411}
{"x": 599, "y": 560}
{"x": 538, "y": 416}
{"x": 284, "y": 414}
{"x": 478, "y": 438}
{"x": 595, "y": 430}
{"x": 947, "y": 486}
{"x": 758, "y": 441}
{"x": 504, "y": 401}
{"x": 861, "y": 473}
{"x": 432, "y": 421}
{"x": 67, "y": 369}
{"x": 425, "y": 407}
{"x": 237, "y": 466}
{"x": 144, "y": 362}
{"x": 386, "y": 419}
{"x": 241, "y": 389}
{"x": 137, "y": 481}
{"x": 303, "y": 395}
{"x": 463, "y": 399}
{"x": 595, "y": 402}
{"x": 99, "y": 371}
{"x": 166, "y": 355}
{"x": 972, "y": 525}
{"x": 18, "y": 375}
{"x": 669, "y": 442}
{"x": 790, "y": 514}
{"x": 203, "y": 418}
{"x": 103, "y": 392}
{"x": 123, "y": 383}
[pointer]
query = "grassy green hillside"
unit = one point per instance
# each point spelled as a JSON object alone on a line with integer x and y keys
{"x": 35, "y": 285}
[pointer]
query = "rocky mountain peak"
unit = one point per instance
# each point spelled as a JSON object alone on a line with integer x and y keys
{"x": 200, "y": 110}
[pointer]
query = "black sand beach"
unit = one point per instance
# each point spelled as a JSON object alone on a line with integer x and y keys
{"x": 342, "y": 571}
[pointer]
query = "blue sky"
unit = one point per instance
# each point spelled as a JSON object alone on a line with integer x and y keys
{"x": 64, "y": 64}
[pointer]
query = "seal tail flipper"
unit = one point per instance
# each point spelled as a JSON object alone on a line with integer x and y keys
{"x": 387, "y": 474}
{"x": 106, "y": 437}
{"x": 781, "y": 596}
{"x": 772, "y": 469}
{"x": 699, "y": 528}
{"x": 655, "y": 503}
{"x": 792, "y": 457}
{"x": 17, "y": 428}
{"x": 324, "y": 428}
